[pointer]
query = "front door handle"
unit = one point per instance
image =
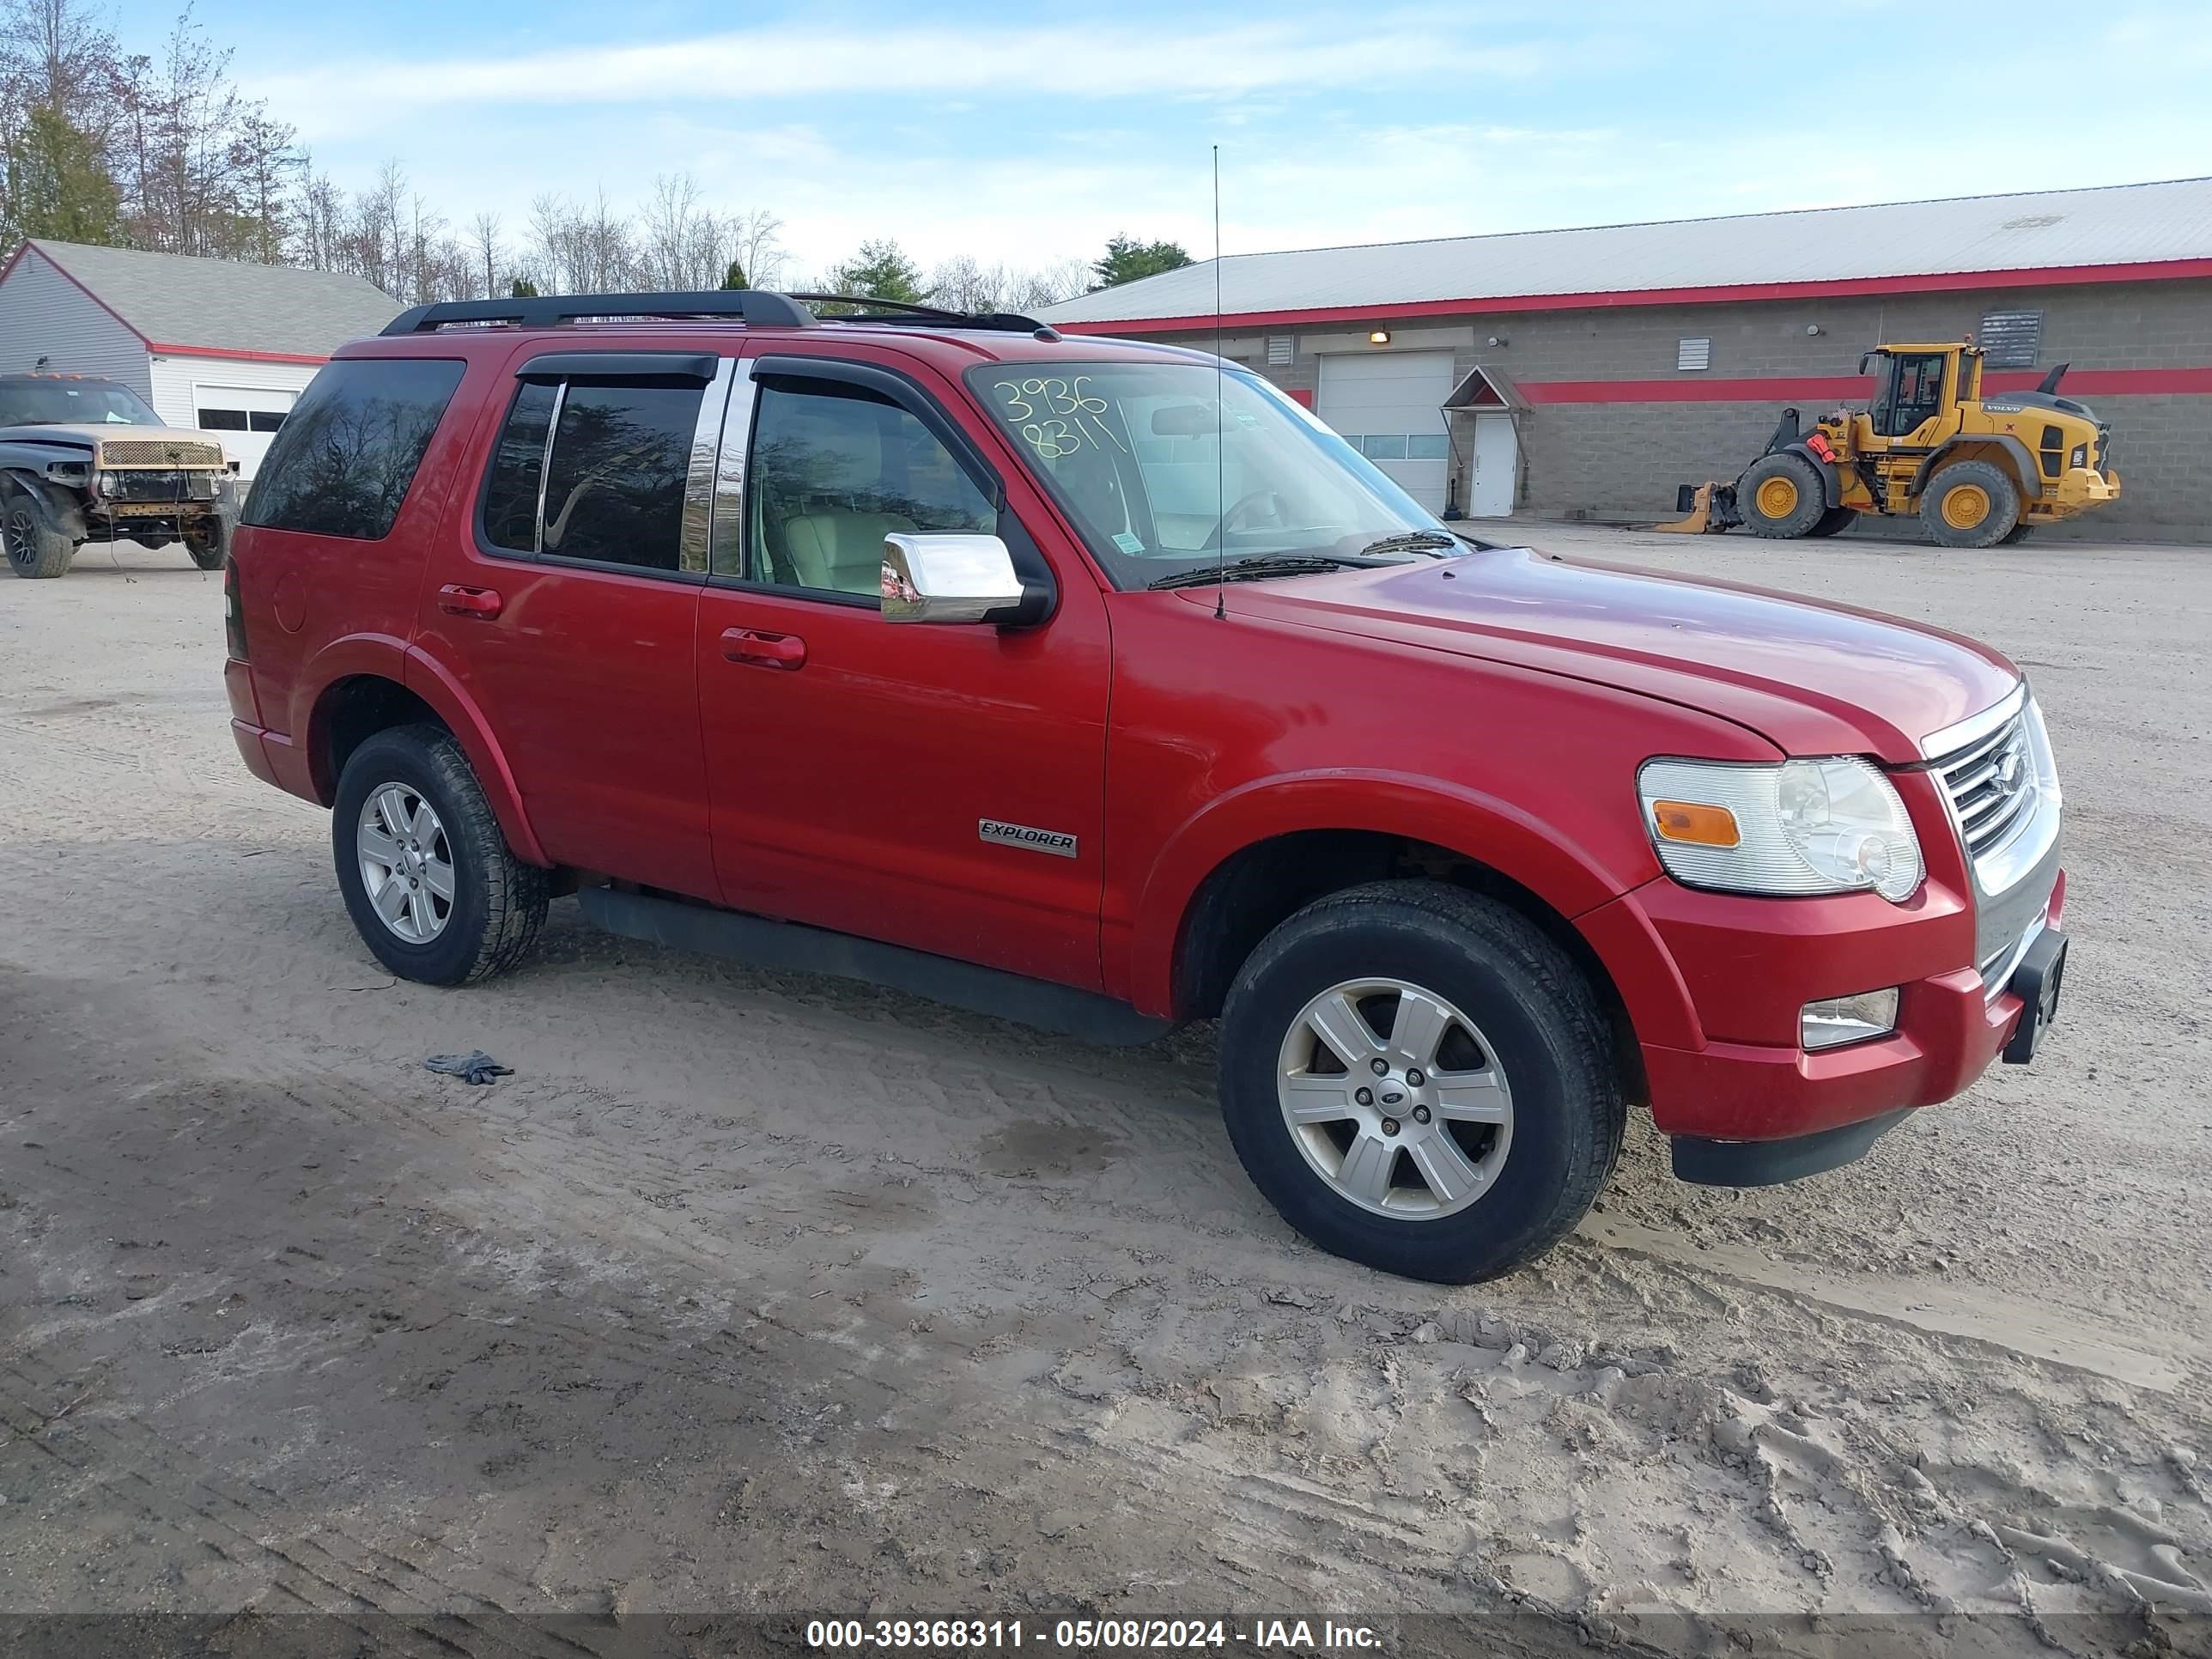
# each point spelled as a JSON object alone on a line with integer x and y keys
{"x": 764, "y": 650}
{"x": 460, "y": 601}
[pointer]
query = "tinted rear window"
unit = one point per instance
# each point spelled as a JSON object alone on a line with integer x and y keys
{"x": 348, "y": 452}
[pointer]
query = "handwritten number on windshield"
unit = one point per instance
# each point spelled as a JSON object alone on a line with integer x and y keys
{"x": 1057, "y": 417}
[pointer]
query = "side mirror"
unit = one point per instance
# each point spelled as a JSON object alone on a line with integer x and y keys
{"x": 951, "y": 578}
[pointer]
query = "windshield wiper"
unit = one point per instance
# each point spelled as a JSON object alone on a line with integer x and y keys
{"x": 1253, "y": 569}
{"x": 1409, "y": 541}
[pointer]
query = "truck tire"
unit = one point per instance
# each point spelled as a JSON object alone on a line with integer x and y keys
{"x": 206, "y": 540}
{"x": 1463, "y": 1109}
{"x": 1780, "y": 496}
{"x": 1970, "y": 504}
{"x": 35, "y": 548}
{"x": 1835, "y": 520}
{"x": 410, "y": 820}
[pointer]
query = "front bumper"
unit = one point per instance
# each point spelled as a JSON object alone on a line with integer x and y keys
{"x": 1745, "y": 967}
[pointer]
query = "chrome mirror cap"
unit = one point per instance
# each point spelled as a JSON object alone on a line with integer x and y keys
{"x": 950, "y": 578}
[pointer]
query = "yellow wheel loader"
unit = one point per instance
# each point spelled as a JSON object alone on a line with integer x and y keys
{"x": 1977, "y": 470}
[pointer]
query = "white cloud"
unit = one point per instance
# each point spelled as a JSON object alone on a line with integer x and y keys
{"x": 1073, "y": 62}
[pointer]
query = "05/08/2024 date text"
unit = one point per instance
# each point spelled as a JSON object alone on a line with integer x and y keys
{"x": 1088, "y": 1635}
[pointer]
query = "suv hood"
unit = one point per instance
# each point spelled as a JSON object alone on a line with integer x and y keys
{"x": 1812, "y": 679}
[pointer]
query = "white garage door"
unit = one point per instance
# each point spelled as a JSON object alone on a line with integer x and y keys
{"x": 1389, "y": 406}
{"x": 245, "y": 417}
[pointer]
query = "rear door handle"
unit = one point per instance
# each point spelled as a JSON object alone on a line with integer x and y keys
{"x": 764, "y": 650}
{"x": 468, "y": 601}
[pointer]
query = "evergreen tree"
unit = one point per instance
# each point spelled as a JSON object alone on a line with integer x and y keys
{"x": 57, "y": 184}
{"x": 735, "y": 276}
{"x": 880, "y": 270}
{"x": 522, "y": 289}
{"x": 1127, "y": 259}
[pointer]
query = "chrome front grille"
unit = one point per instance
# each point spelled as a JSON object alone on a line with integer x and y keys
{"x": 1991, "y": 785}
{"x": 2000, "y": 786}
{"x": 159, "y": 451}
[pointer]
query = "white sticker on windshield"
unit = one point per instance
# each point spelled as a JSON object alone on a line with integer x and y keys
{"x": 1128, "y": 543}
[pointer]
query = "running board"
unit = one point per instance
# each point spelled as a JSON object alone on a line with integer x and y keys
{"x": 791, "y": 946}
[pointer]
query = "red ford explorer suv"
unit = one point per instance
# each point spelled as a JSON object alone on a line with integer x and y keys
{"x": 1097, "y": 685}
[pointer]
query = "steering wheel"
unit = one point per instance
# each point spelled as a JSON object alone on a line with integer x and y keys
{"x": 1249, "y": 502}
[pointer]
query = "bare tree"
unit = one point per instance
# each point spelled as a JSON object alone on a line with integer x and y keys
{"x": 484, "y": 228}
{"x": 755, "y": 243}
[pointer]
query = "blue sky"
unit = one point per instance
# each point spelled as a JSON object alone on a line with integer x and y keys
{"x": 1028, "y": 133}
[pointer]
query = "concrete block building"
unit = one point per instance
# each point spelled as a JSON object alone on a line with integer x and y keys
{"x": 210, "y": 343}
{"x": 1584, "y": 373}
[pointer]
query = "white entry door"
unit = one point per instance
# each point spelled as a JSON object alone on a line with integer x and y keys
{"x": 1497, "y": 459}
{"x": 1389, "y": 405}
{"x": 245, "y": 417}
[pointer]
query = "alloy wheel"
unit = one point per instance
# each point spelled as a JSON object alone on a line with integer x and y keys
{"x": 1396, "y": 1099}
{"x": 406, "y": 863}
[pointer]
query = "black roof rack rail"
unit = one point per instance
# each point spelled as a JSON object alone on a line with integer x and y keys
{"x": 758, "y": 306}
{"x": 893, "y": 310}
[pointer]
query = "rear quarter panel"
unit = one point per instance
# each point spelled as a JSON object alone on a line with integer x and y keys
{"x": 319, "y": 608}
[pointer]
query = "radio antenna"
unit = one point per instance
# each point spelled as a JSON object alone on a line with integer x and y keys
{"x": 1220, "y": 445}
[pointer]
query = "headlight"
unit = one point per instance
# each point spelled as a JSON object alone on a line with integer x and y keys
{"x": 1834, "y": 825}
{"x": 2080, "y": 456}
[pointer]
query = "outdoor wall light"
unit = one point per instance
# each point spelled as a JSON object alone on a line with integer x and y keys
{"x": 1378, "y": 336}
{"x": 1495, "y": 341}
{"x": 1813, "y": 328}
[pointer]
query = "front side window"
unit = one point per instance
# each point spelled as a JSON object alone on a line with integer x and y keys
{"x": 347, "y": 454}
{"x": 1162, "y": 477}
{"x": 837, "y": 467}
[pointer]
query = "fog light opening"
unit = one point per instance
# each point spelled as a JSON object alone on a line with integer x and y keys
{"x": 1831, "y": 1022}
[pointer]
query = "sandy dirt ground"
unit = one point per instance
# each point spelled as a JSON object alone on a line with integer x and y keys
{"x": 758, "y": 1295}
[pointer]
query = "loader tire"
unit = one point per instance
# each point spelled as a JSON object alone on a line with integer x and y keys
{"x": 1780, "y": 496}
{"x": 2019, "y": 532}
{"x": 1970, "y": 504}
{"x": 1833, "y": 521}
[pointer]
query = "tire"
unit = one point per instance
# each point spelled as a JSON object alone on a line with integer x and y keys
{"x": 2018, "y": 533}
{"x": 1970, "y": 504}
{"x": 497, "y": 902}
{"x": 205, "y": 540}
{"x": 1520, "y": 1009}
{"x": 1835, "y": 520}
{"x": 35, "y": 548}
{"x": 1781, "y": 496}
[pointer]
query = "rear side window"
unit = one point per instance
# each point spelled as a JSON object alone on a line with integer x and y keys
{"x": 610, "y": 489}
{"x": 347, "y": 453}
{"x": 614, "y": 485}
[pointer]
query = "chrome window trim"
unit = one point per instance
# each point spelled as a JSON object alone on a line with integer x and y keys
{"x": 545, "y": 467}
{"x": 694, "y": 528}
{"x": 729, "y": 482}
{"x": 1974, "y": 727}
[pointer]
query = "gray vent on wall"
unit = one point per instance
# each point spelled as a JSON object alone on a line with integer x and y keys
{"x": 1693, "y": 354}
{"x": 1282, "y": 347}
{"x": 2010, "y": 339}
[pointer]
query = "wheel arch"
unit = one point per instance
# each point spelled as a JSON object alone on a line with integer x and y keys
{"x": 68, "y": 512}
{"x": 2004, "y": 451}
{"x": 1252, "y": 889}
{"x": 355, "y": 705}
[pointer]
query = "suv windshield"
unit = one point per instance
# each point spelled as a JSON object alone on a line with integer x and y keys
{"x": 1158, "y": 483}
{"x": 72, "y": 403}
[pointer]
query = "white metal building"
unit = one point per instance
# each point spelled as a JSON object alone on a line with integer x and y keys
{"x": 210, "y": 343}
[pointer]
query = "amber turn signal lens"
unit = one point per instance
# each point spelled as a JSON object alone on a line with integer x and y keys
{"x": 1706, "y": 826}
